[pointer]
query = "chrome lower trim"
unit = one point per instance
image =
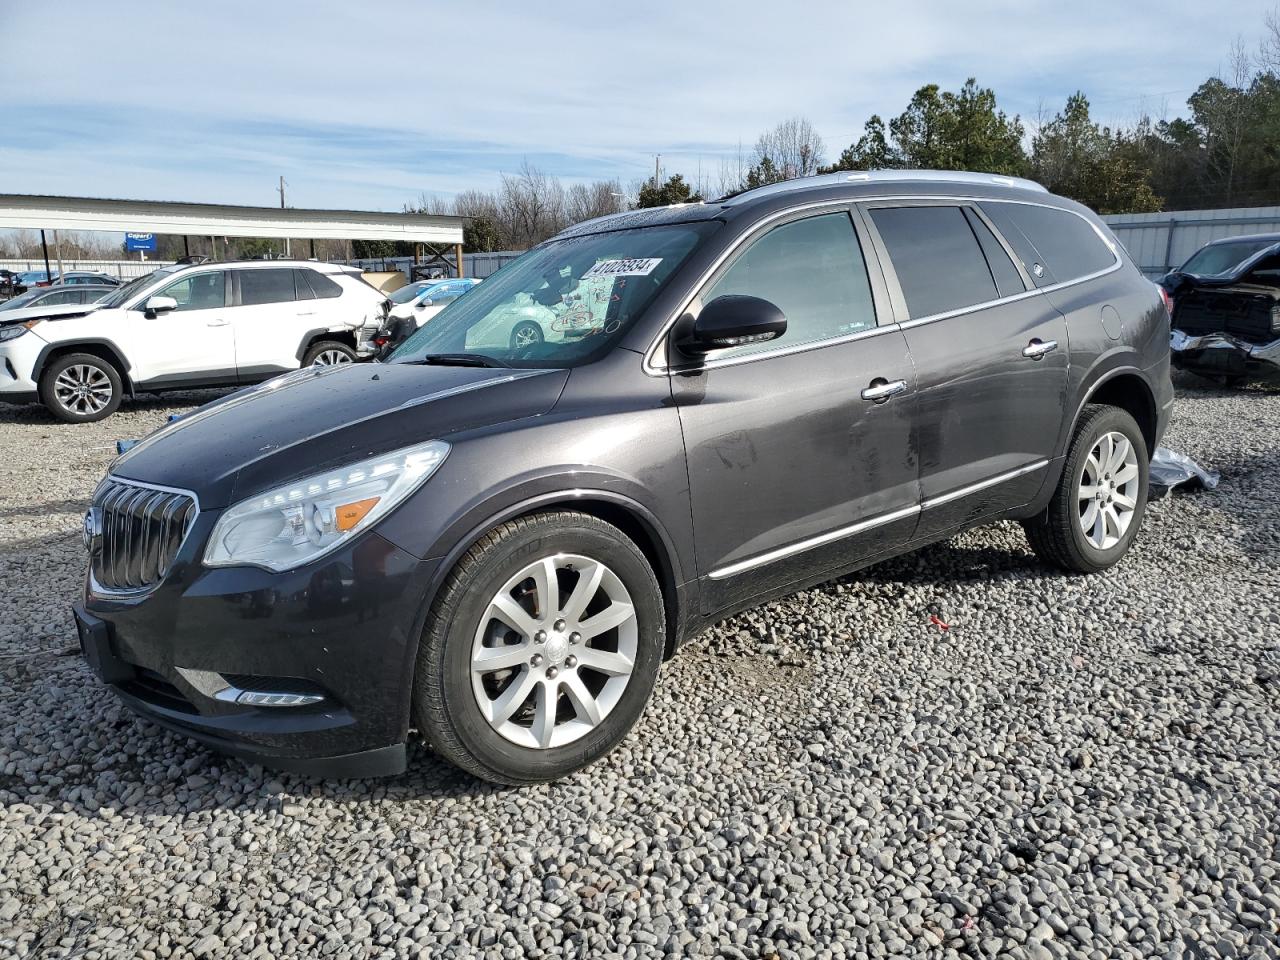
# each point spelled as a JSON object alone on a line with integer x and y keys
{"x": 983, "y": 485}
{"x": 862, "y": 526}
{"x": 818, "y": 541}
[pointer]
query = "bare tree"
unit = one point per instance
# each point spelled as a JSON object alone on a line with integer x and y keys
{"x": 586, "y": 201}
{"x": 1269, "y": 49}
{"x": 793, "y": 146}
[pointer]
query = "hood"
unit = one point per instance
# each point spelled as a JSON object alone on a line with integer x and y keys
{"x": 319, "y": 418}
{"x": 60, "y": 312}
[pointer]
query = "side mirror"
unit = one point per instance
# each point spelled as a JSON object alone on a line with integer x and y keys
{"x": 731, "y": 321}
{"x": 424, "y": 303}
{"x": 156, "y": 305}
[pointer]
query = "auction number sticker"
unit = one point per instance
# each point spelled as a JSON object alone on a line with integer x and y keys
{"x": 623, "y": 268}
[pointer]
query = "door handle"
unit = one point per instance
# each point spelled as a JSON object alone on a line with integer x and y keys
{"x": 1038, "y": 348}
{"x": 882, "y": 389}
{"x": 216, "y": 323}
{"x": 306, "y": 313}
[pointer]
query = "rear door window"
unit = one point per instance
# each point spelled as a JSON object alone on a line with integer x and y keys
{"x": 1066, "y": 244}
{"x": 937, "y": 257}
{"x": 814, "y": 271}
{"x": 266, "y": 286}
{"x": 1003, "y": 272}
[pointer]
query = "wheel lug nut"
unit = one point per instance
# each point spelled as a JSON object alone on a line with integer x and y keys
{"x": 571, "y": 662}
{"x": 536, "y": 660}
{"x": 575, "y": 637}
{"x": 551, "y": 673}
{"x": 559, "y": 625}
{"x": 540, "y": 637}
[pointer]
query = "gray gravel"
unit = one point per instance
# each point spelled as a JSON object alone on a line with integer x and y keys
{"x": 1078, "y": 767}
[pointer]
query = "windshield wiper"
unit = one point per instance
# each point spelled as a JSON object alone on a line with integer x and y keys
{"x": 460, "y": 360}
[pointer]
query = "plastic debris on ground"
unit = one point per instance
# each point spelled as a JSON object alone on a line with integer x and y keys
{"x": 1170, "y": 469}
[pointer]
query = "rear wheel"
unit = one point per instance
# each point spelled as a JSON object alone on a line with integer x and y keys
{"x": 81, "y": 388}
{"x": 327, "y": 353}
{"x": 541, "y": 650}
{"x": 1096, "y": 511}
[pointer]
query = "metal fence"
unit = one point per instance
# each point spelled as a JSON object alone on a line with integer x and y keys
{"x": 123, "y": 269}
{"x": 473, "y": 264}
{"x": 1158, "y": 242}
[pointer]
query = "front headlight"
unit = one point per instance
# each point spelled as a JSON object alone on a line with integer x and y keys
{"x": 14, "y": 330}
{"x": 302, "y": 521}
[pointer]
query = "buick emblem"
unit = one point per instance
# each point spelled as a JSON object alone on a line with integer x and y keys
{"x": 92, "y": 531}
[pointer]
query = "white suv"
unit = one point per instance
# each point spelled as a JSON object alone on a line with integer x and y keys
{"x": 188, "y": 325}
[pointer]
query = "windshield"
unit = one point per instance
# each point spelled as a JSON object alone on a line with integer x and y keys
{"x": 408, "y": 292}
{"x": 1222, "y": 257}
{"x": 17, "y": 303}
{"x": 562, "y": 303}
{"x": 120, "y": 294}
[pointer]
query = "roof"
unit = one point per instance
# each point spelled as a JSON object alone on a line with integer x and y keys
{"x": 18, "y": 211}
{"x": 856, "y": 184}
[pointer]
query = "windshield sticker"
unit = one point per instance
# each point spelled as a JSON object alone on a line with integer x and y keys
{"x": 623, "y": 268}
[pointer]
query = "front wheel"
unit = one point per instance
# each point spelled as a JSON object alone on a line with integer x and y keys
{"x": 1101, "y": 498}
{"x": 327, "y": 353}
{"x": 526, "y": 334}
{"x": 541, "y": 650}
{"x": 81, "y": 388}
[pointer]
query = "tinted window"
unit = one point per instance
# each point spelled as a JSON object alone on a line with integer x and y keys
{"x": 1068, "y": 244}
{"x": 1221, "y": 257}
{"x": 200, "y": 291}
{"x": 813, "y": 271}
{"x": 63, "y": 296}
{"x": 939, "y": 263}
{"x": 265, "y": 286}
{"x": 318, "y": 284}
{"x": 1005, "y": 274}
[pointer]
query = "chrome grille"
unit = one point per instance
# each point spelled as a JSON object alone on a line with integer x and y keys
{"x": 141, "y": 530}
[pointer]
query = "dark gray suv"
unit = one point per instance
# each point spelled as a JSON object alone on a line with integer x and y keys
{"x": 639, "y": 427}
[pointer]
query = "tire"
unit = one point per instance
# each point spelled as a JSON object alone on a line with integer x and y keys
{"x": 1058, "y": 536}
{"x": 526, "y": 334}
{"x": 328, "y": 352}
{"x": 81, "y": 388}
{"x": 447, "y": 689}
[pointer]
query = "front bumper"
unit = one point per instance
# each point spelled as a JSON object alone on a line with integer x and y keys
{"x": 1223, "y": 354}
{"x": 17, "y": 362}
{"x": 343, "y": 630}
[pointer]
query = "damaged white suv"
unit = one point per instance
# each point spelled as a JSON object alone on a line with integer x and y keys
{"x": 188, "y": 325}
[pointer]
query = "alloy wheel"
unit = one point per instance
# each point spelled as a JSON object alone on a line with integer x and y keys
{"x": 327, "y": 358}
{"x": 554, "y": 651}
{"x": 83, "y": 389}
{"x": 1107, "y": 490}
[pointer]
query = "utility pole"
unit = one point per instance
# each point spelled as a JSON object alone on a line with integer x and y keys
{"x": 657, "y": 170}
{"x": 287, "y": 250}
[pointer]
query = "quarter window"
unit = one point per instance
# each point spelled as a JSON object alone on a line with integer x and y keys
{"x": 265, "y": 286}
{"x": 312, "y": 283}
{"x": 813, "y": 270}
{"x": 937, "y": 258}
{"x": 1065, "y": 243}
{"x": 200, "y": 291}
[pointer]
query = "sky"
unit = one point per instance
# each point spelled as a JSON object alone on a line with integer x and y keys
{"x": 369, "y": 106}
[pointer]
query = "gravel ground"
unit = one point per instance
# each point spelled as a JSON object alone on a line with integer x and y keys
{"x": 1078, "y": 767}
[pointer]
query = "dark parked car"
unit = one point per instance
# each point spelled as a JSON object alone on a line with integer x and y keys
{"x": 31, "y": 279}
{"x": 57, "y": 296}
{"x": 496, "y": 543}
{"x": 8, "y": 280}
{"x": 1226, "y": 309}
{"x": 83, "y": 277}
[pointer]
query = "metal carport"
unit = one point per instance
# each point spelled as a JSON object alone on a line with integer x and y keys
{"x": 434, "y": 232}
